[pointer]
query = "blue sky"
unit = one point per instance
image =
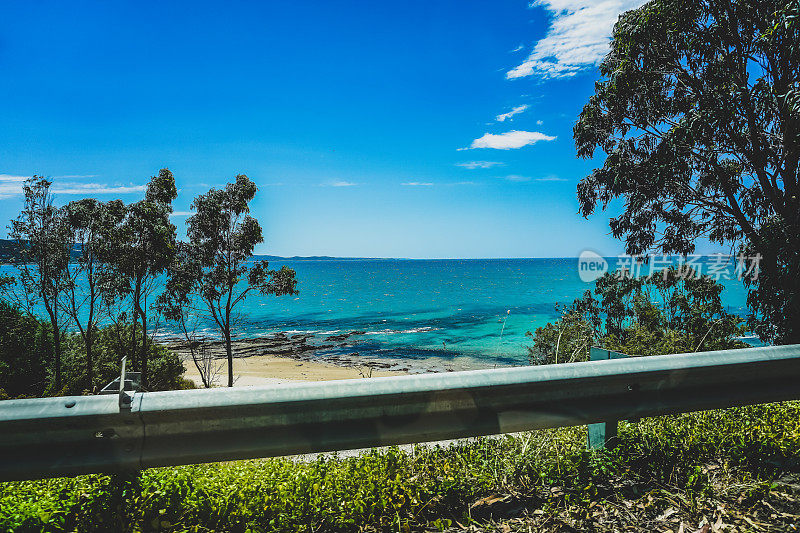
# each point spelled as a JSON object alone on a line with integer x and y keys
{"x": 421, "y": 129}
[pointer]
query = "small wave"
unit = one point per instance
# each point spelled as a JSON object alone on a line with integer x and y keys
{"x": 421, "y": 329}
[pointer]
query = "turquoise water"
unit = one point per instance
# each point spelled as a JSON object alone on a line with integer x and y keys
{"x": 446, "y": 310}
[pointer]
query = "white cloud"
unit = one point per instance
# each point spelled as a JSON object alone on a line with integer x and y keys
{"x": 181, "y": 214}
{"x": 516, "y": 111}
{"x": 418, "y": 184}
{"x": 11, "y": 186}
{"x": 520, "y": 179}
{"x": 539, "y": 122}
{"x": 75, "y": 176}
{"x": 517, "y": 49}
{"x": 577, "y": 39}
{"x": 472, "y": 165}
{"x": 95, "y": 188}
{"x": 509, "y": 139}
{"x": 339, "y": 183}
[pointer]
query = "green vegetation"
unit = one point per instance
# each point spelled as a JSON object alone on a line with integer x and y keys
{"x": 718, "y": 464}
{"x": 671, "y": 312}
{"x": 90, "y": 264}
{"x": 697, "y": 112}
{"x": 26, "y": 355}
{"x": 215, "y": 268}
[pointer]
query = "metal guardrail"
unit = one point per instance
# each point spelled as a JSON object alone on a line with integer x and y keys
{"x": 74, "y": 435}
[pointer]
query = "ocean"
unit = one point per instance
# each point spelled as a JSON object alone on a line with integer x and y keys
{"x": 460, "y": 313}
{"x": 466, "y": 312}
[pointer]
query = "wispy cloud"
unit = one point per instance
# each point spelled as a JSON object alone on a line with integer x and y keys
{"x": 181, "y": 214}
{"x": 417, "y": 184}
{"x": 577, "y": 39}
{"x": 472, "y": 165}
{"x": 75, "y": 176}
{"x": 516, "y": 111}
{"x": 11, "y": 186}
{"x": 516, "y": 177}
{"x": 509, "y": 140}
{"x": 521, "y": 179}
{"x": 539, "y": 122}
{"x": 95, "y": 188}
{"x": 517, "y": 49}
{"x": 339, "y": 183}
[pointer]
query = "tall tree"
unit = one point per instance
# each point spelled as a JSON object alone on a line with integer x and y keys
{"x": 43, "y": 251}
{"x": 145, "y": 247}
{"x": 217, "y": 265}
{"x": 179, "y": 304}
{"x": 92, "y": 283}
{"x": 698, "y": 113}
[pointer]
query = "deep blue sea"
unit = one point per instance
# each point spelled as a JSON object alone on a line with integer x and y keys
{"x": 454, "y": 311}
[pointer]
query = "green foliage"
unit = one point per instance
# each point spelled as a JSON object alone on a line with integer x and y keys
{"x": 774, "y": 298}
{"x": 215, "y": 266}
{"x": 672, "y": 312}
{"x": 25, "y": 349}
{"x": 427, "y": 487}
{"x": 144, "y": 246}
{"x": 43, "y": 244}
{"x": 93, "y": 285}
{"x": 25, "y": 358}
{"x": 697, "y": 114}
{"x": 110, "y": 342}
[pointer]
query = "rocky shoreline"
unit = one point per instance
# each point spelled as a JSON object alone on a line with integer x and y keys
{"x": 331, "y": 349}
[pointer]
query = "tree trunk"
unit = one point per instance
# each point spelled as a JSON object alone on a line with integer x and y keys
{"x": 89, "y": 366}
{"x": 137, "y": 295}
{"x": 57, "y": 349}
{"x": 229, "y": 351}
{"x": 144, "y": 352}
{"x": 134, "y": 348}
{"x": 56, "y": 345}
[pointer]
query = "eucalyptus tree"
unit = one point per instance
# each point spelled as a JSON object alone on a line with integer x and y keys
{"x": 145, "y": 246}
{"x": 216, "y": 265}
{"x": 179, "y": 304}
{"x": 698, "y": 114}
{"x": 92, "y": 283}
{"x": 42, "y": 256}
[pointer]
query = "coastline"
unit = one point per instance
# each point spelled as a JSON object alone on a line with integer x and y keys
{"x": 286, "y": 358}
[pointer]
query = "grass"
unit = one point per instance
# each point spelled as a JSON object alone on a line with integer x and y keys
{"x": 719, "y": 467}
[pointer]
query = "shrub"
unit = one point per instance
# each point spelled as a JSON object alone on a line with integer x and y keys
{"x": 26, "y": 358}
{"x": 427, "y": 487}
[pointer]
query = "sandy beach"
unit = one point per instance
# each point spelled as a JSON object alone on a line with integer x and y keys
{"x": 272, "y": 369}
{"x": 282, "y": 358}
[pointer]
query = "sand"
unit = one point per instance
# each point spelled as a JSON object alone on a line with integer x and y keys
{"x": 259, "y": 370}
{"x": 283, "y": 358}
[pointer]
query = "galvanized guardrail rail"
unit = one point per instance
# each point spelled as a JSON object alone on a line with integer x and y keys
{"x": 73, "y": 435}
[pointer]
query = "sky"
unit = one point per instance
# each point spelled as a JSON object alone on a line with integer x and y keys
{"x": 420, "y": 129}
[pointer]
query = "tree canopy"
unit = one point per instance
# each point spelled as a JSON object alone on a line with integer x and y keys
{"x": 216, "y": 264}
{"x": 144, "y": 248}
{"x": 697, "y": 112}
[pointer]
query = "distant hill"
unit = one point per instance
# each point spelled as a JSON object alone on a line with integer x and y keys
{"x": 319, "y": 258}
{"x": 8, "y": 249}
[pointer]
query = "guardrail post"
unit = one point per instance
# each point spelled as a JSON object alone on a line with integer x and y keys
{"x": 604, "y": 432}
